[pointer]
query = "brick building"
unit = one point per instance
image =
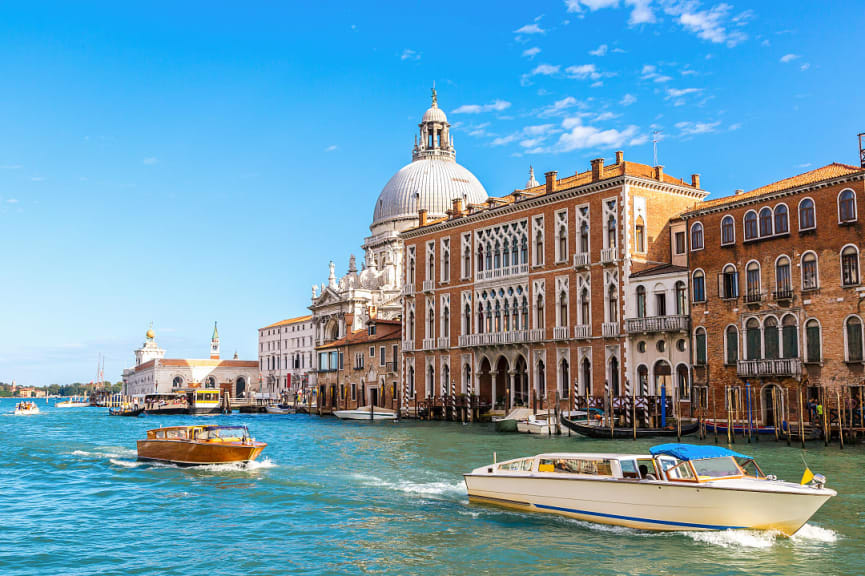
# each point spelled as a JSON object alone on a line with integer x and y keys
{"x": 525, "y": 298}
{"x": 361, "y": 368}
{"x": 776, "y": 290}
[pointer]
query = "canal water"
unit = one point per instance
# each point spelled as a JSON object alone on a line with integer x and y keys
{"x": 331, "y": 497}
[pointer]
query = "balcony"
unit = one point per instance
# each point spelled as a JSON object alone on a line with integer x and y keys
{"x": 408, "y": 345}
{"x": 503, "y": 272}
{"x": 391, "y": 367}
{"x": 428, "y": 344}
{"x": 443, "y": 342}
{"x": 429, "y": 285}
{"x": 608, "y": 255}
{"x": 657, "y": 324}
{"x": 784, "y": 293}
{"x": 408, "y": 289}
{"x": 581, "y": 260}
{"x": 499, "y": 338}
{"x": 560, "y": 333}
{"x": 582, "y": 331}
{"x": 753, "y": 297}
{"x": 610, "y": 329}
{"x": 769, "y": 367}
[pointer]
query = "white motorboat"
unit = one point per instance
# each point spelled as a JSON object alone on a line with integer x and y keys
{"x": 73, "y": 402}
{"x": 366, "y": 413}
{"x": 26, "y": 408}
{"x": 281, "y": 409}
{"x": 544, "y": 422}
{"x": 676, "y": 487}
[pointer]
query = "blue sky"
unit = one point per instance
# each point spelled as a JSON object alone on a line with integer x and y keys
{"x": 183, "y": 163}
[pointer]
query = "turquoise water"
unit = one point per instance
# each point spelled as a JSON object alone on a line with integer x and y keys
{"x": 332, "y": 497}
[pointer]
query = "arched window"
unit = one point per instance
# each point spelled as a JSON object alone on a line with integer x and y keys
{"x": 807, "y": 220}
{"x": 506, "y": 254}
{"x": 430, "y": 381}
{"x": 514, "y": 260}
{"x": 584, "y": 307}
{"x": 782, "y": 224}
{"x": 770, "y": 337}
{"x": 751, "y": 225}
{"x": 481, "y": 329}
{"x": 641, "y": 301}
{"x": 497, "y": 326}
{"x": 662, "y": 377}
{"x": 640, "y": 235}
{"x": 497, "y": 260}
{"x": 783, "y": 281}
{"x": 210, "y": 382}
{"x": 542, "y": 379}
{"x": 643, "y": 379}
{"x": 467, "y": 262}
{"x": 699, "y": 286}
{"x": 587, "y": 376}
{"x": 853, "y": 337}
{"x": 611, "y": 232}
{"x": 584, "y": 237}
{"x": 615, "y": 387}
{"x": 525, "y": 314}
{"x": 431, "y": 330}
{"x": 539, "y": 248}
{"x": 177, "y": 382}
{"x": 489, "y": 317}
{"x": 849, "y": 266}
{"x": 411, "y": 268}
{"x": 728, "y": 230}
{"x": 467, "y": 319}
{"x": 847, "y": 206}
{"x": 700, "y": 346}
{"x": 539, "y": 316}
{"x": 480, "y": 258}
{"x": 681, "y": 299}
{"x": 752, "y": 281}
{"x": 813, "y": 346}
{"x": 411, "y": 381}
{"x": 446, "y": 264}
{"x": 467, "y": 379}
{"x": 410, "y": 324}
{"x": 810, "y": 275}
{"x": 489, "y": 259}
{"x": 563, "y": 243}
{"x": 789, "y": 337}
{"x": 446, "y": 322}
{"x": 563, "y": 308}
{"x": 524, "y": 251}
{"x": 730, "y": 282}
{"x": 507, "y": 317}
{"x": 446, "y": 379}
{"x": 752, "y": 339}
{"x": 765, "y": 222}
{"x": 565, "y": 370}
{"x": 612, "y": 303}
{"x": 732, "y": 345}
{"x": 683, "y": 382}
{"x": 697, "y": 236}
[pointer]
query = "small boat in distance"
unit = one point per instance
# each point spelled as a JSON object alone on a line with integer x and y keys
{"x": 675, "y": 487}
{"x": 366, "y": 413}
{"x": 73, "y": 402}
{"x": 26, "y": 408}
{"x": 199, "y": 445}
{"x": 132, "y": 410}
{"x": 281, "y": 409}
{"x": 598, "y": 430}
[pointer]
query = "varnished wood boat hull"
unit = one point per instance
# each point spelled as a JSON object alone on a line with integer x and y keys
{"x": 192, "y": 453}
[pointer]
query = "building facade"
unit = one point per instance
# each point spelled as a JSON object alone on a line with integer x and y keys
{"x": 286, "y": 354}
{"x": 776, "y": 291}
{"x": 525, "y": 299}
{"x": 362, "y": 368}
{"x": 155, "y": 374}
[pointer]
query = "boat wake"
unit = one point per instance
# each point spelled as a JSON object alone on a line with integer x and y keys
{"x": 408, "y": 487}
{"x": 125, "y": 463}
{"x": 108, "y": 452}
{"x": 808, "y": 534}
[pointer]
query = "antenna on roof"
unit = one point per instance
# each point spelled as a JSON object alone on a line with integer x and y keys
{"x": 862, "y": 149}
{"x": 655, "y": 147}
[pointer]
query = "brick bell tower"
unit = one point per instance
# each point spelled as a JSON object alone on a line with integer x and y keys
{"x": 214, "y": 344}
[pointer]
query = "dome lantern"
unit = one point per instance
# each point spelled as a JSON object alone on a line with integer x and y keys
{"x": 435, "y": 139}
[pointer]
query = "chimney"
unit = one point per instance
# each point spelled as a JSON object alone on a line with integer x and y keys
{"x": 457, "y": 207}
{"x": 597, "y": 169}
{"x": 620, "y": 157}
{"x": 695, "y": 180}
{"x": 551, "y": 181}
{"x": 421, "y": 215}
{"x": 739, "y": 191}
{"x": 659, "y": 173}
{"x": 349, "y": 323}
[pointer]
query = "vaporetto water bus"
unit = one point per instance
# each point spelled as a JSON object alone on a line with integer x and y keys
{"x": 675, "y": 487}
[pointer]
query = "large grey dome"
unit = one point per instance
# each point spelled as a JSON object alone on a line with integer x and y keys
{"x": 430, "y": 183}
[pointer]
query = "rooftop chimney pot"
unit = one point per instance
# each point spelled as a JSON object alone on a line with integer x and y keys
{"x": 551, "y": 180}
{"x": 695, "y": 180}
{"x": 597, "y": 169}
{"x": 421, "y": 215}
{"x": 620, "y": 157}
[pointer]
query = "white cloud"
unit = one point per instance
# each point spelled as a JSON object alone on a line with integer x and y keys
{"x": 583, "y": 71}
{"x": 678, "y": 94}
{"x": 628, "y": 99}
{"x": 332, "y": 148}
{"x": 650, "y": 72}
{"x": 12, "y": 201}
{"x": 599, "y": 51}
{"x": 804, "y": 66}
{"x": 545, "y": 70}
{"x": 150, "y": 161}
{"x": 580, "y": 136}
{"x": 11, "y": 167}
{"x": 528, "y": 136}
{"x": 496, "y": 106}
{"x": 577, "y": 5}
{"x": 530, "y": 29}
{"x": 788, "y": 58}
{"x": 641, "y": 13}
{"x": 502, "y": 140}
{"x": 605, "y": 116}
{"x": 409, "y": 55}
{"x": 709, "y": 24}
{"x": 531, "y": 52}
{"x": 693, "y": 128}
{"x": 559, "y": 106}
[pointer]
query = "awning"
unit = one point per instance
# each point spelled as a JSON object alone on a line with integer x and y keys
{"x": 693, "y": 452}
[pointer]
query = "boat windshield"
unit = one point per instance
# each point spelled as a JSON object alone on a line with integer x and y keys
{"x": 523, "y": 465}
{"x": 723, "y": 467}
{"x": 224, "y": 433}
{"x": 750, "y": 468}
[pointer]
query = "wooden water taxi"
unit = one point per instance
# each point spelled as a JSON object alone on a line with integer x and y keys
{"x": 675, "y": 487}
{"x": 366, "y": 413}
{"x": 199, "y": 445}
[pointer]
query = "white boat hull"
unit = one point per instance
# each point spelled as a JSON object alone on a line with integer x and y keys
{"x": 361, "y": 414}
{"x": 278, "y": 410}
{"x": 26, "y": 411}
{"x": 72, "y": 405}
{"x": 651, "y": 505}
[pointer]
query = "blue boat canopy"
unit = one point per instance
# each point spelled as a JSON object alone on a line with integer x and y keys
{"x": 693, "y": 452}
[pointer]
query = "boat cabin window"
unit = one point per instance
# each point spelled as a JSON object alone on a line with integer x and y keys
{"x": 723, "y": 467}
{"x": 160, "y": 434}
{"x": 750, "y": 468}
{"x": 576, "y": 466}
{"x": 524, "y": 465}
{"x": 682, "y": 472}
{"x": 629, "y": 469}
{"x": 178, "y": 434}
{"x": 646, "y": 466}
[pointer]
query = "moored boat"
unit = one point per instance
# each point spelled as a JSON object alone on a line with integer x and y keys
{"x": 26, "y": 408}
{"x": 281, "y": 409}
{"x": 740, "y": 429}
{"x": 366, "y": 413}
{"x": 597, "y": 430}
{"x": 127, "y": 410}
{"x": 73, "y": 402}
{"x": 199, "y": 445}
{"x": 675, "y": 487}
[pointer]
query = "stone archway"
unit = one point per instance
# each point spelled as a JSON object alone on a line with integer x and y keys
{"x": 769, "y": 404}
{"x": 501, "y": 386}
{"x": 521, "y": 382}
{"x": 484, "y": 381}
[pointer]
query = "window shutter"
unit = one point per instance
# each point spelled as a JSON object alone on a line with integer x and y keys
{"x": 721, "y": 285}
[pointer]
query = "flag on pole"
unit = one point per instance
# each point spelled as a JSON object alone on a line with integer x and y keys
{"x": 807, "y": 476}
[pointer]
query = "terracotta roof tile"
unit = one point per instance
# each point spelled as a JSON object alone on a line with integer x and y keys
{"x": 390, "y": 330}
{"x": 288, "y": 321}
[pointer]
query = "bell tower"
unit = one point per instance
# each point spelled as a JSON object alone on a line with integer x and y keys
{"x": 214, "y": 344}
{"x": 435, "y": 139}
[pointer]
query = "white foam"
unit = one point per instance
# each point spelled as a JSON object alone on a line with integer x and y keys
{"x": 812, "y": 533}
{"x": 736, "y": 538}
{"x": 125, "y": 463}
{"x": 425, "y": 488}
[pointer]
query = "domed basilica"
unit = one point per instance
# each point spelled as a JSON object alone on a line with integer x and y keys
{"x": 431, "y": 182}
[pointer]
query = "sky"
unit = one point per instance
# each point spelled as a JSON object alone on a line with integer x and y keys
{"x": 185, "y": 163}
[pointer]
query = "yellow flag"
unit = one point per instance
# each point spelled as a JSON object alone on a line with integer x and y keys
{"x": 807, "y": 476}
